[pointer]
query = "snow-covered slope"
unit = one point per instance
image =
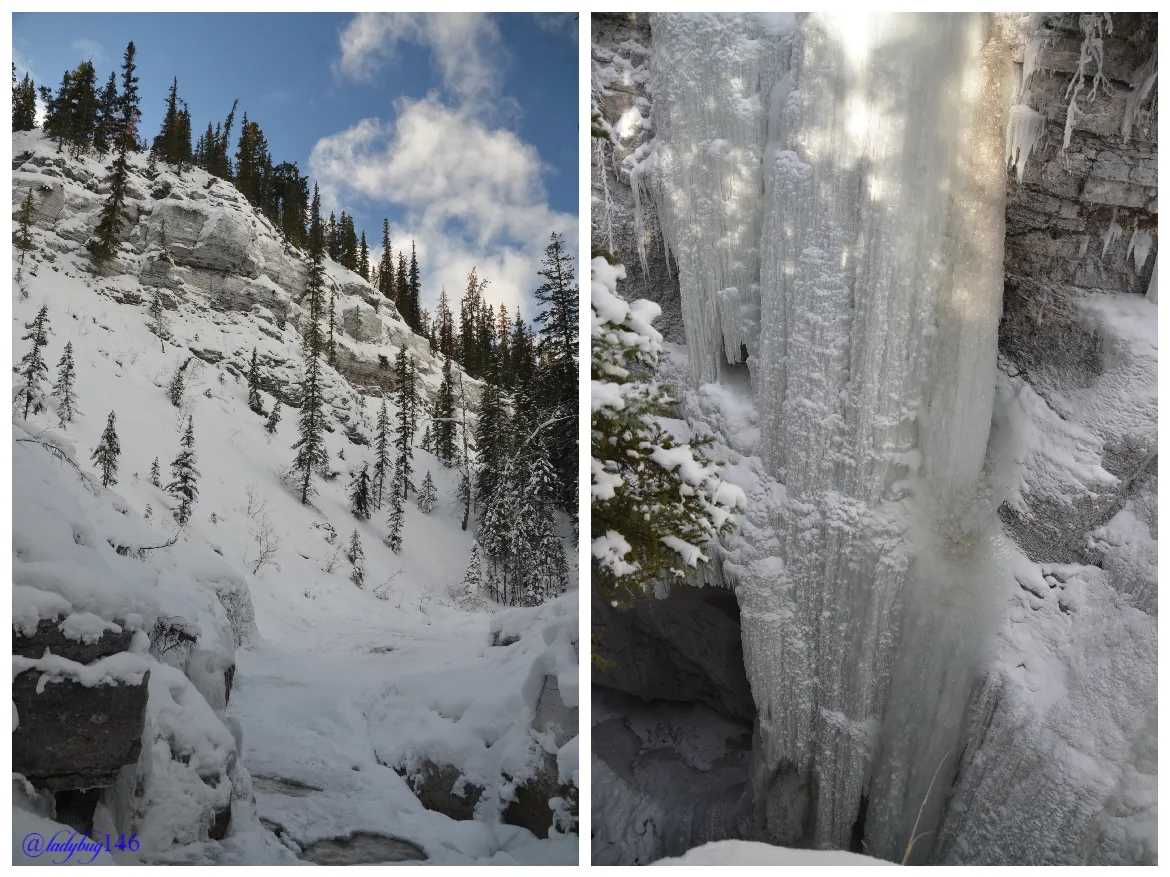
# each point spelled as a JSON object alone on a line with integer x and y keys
{"x": 335, "y": 687}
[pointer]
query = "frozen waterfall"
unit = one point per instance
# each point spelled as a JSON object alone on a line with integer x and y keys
{"x": 833, "y": 199}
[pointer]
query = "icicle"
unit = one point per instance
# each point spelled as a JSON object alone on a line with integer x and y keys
{"x": 1140, "y": 243}
{"x": 1025, "y": 127}
{"x": 605, "y": 193}
{"x": 1152, "y": 289}
{"x": 1084, "y": 246}
{"x": 1112, "y": 233}
{"x": 1143, "y": 80}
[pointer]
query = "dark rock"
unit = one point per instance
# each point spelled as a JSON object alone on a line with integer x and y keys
{"x": 219, "y": 827}
{"x": 362, "y": 848}
{"x": 684, "y": 648}
{"x": 75, "y": 808}
{"x": 73, "y": 737}
{"x": 530, "y": 809}
{"x": 229, "y": 676}
{"x": 434, "y": 786}
{"x": 161, "y": 190}
{"x": 49, "y": 636}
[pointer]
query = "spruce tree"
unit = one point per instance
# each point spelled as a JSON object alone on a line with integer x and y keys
{"x": 382, "y": 465}
{"x": 491, "y": 440}
{"x": 444, "y": 417}
{"x": 24, "y": 103}
{"x": 426, "y": 495}
{"x": 359, "y": 494}
{"x": 107, "y": 235}
{"x": 273, "y": 418}
{"x": 356, "y": 558}
{"x": 310, "y": 446}
{"x": 473, "y": 576}
{"x": 106, "y": 454}
{"x": 106, "y": 127}
{"x": 332, "y": 349}
{"x": 177, "y": 386}
{"x": 63, "y": 388}
{"x": 407, "y": 401}
{"x": 386, "y": 264}
{"x": 184, "y": 474}
{"x": 155, "y": 474}
{"x": 30, "y": 398}
{"x": 363, "y": 266}
{"x": 397, "y": 518}
{"x": 254, "y": 401}
{"x": 414, "y": 290}
{"x": 23, "y": 239}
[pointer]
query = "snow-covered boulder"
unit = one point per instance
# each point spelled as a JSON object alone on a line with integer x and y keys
{"x": 362, "y": 323}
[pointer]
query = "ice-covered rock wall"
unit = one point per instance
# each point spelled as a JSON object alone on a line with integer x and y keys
{"x": 832, "y": 195}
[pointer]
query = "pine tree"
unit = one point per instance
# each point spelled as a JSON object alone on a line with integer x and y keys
{"x": 63, "y": 388}
{"x": 363, "y": 266}
{"x": 30, "y": 398}
{"x": 491, "y": 439}
{"x": 106, "y": 454}
{"x": 407, "y": 402}
{"x": 386, "y": 264}
{"x": 24, "y": 103}
{"x": 106, "y": 127}
{"x": 397, "y": 518}
{"x": 444, "y": 417}
{"x": 184, "y": 474}
{"x": 444, "y": 326}
{"x": 23, "y": 239}
{"x": 414, "y": 290}
{"x": 273, "y": 418}
{"x": 331, "y": 349}
{"x": 177, "y": 386}
{"x": 152, "y": 165}
{"x": 356, "y": 558}
{"x": 382, "y": 466}
{"x": 557, "y": 396}
{"x": 254, "y": 401}
{"x": 426, "y": 495}
{"x": 359, "y": 494}
{"x": 155, "y": 474}
{"x": 473, "y": 577}
{"x": 107, "y": 235}
{"x": 310, "y": 446}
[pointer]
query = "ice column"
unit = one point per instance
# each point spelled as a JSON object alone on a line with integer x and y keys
{"x": 710, "y": 84}
{"x": 880, "y": 286}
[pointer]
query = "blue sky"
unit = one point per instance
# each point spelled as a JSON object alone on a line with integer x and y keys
{"x": 460, "y": 128}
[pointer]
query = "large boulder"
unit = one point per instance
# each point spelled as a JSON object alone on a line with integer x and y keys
{"x": 362, "y": 323}
{"x": 76, "y": 737}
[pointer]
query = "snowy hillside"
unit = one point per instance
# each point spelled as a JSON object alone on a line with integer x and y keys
{"x": 288, "y": 711}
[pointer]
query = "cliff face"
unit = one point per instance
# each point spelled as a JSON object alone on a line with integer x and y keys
{"x": 1056, "y": 763}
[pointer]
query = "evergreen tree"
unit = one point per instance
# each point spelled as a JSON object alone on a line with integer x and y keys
{"x": 363, "y": 265}
{"x": 382, "y": 466}
{"x": 63, "y": 388}
{"x": 401, "y": 283}
{"x": 107, "y": 241}
{"x": 359, "y": 494}
{"x": 33, "y": 370}
{"x": 254, "y": 401}
{"x": 251, "y": 161}
{"x": 444, "y": 326}
{"x": 558, "y": 381}
{"x": 397, "y": 518}
{"x": 24, "y": 103}
{"x": 473, "y": 577}
{"x": 407, "y": 402}
{"x": 158, "y": 319}
{"x": 426, "y": 495}
{"x": 331, "y": 349}
{"x": 106, "y": 127}
{"x": 273, "y": 418}
{"x": 310, "y": 446}
{"x": 152, "y": 165}
{"x": 177, "y": 386}
{"x": 386, "y": 264}
{"x": 184, "y": 474}
{"x": 155, "y": 474}
{"x": 106, "y": 454}
{"x": 331, "y": 240}
{"x": 414, "y": 290}
{"x": 444, "y": 417}
{"x": 356, "y": 558}
{"x": 491, "y": 440}
{"x": 23, "y": 239}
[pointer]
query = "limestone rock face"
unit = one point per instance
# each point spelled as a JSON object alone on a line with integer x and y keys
{"x": 48, "y": 635}
{"x": 362, "y": 324}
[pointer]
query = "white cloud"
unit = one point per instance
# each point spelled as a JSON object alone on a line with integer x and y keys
{"x": 558, "y": 23}
{"x": 89, "y": 50}
{"x": 465, "y": 47}
{"x": 473, "y": 195}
